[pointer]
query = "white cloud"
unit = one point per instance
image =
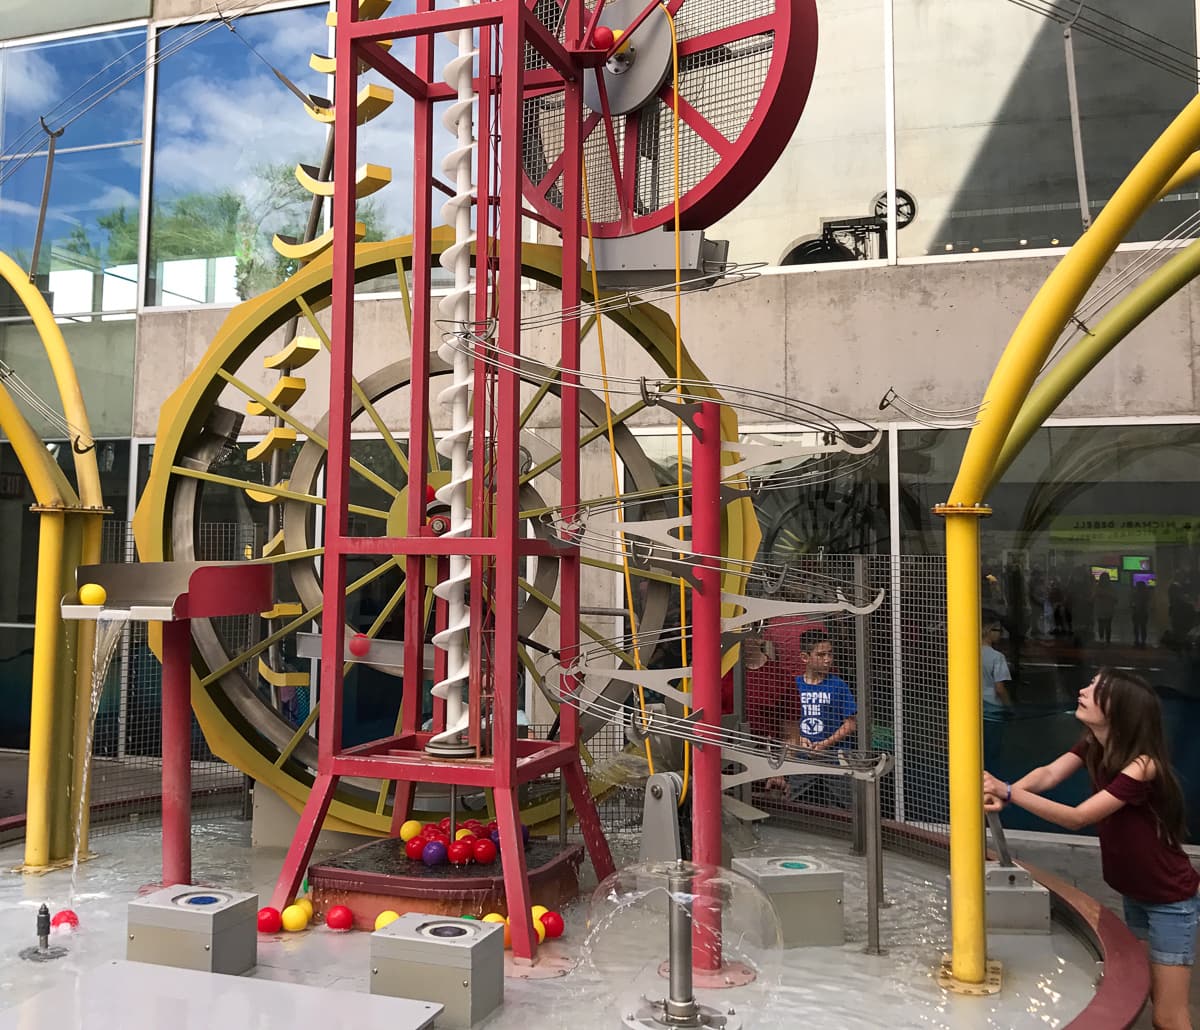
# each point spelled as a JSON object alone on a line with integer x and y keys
{"x": 19, "y": 207}
{"x": 31, "y": 83}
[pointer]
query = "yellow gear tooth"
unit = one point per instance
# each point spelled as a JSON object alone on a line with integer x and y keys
{"x": 282, "y": 609}
{"x": 296, "y": 354}
{"x": 367, "y": 180}
{"x": 271, "y": 547}
{"x": 280, "y": 438}
{"x": 263, "y": 496}
{"x": 282, "y": 679}
{"x": 284, "y": 394}
{"x": 373, "y": 100}
{"x": 304, "y": 252}
{"x": 369, "y": 10}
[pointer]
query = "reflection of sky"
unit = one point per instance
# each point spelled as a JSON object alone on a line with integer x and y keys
{"x": 57, "y": 79}
{"x": 221, "y": 115}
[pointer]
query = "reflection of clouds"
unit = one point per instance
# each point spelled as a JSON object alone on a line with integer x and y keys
{"x": 107, "y": 200}
{"x": 215, "y": 133}
{"x": 31, "y": 83}
{"x": 287, "y": 42}
{"x": 18, "y": 207}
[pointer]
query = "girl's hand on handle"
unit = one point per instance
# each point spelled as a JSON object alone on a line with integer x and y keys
{"x": 996, "y": 793}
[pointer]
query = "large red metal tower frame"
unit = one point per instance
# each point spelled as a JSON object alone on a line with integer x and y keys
{"x": 495, "y": 546}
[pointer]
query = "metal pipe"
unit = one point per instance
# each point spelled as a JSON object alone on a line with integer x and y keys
{"x": 681, "y": 1000}
{"x": 969, "y": 955}
{"x": 874, "y": 865}
{"x": 1085, "y": 210}
{"x": 45, "y": 773}
{"x": 453, "y": 811}
{"x": 706, "y": 672}
{"x": 177, "y": 752}
{"x": 562, "y": 808}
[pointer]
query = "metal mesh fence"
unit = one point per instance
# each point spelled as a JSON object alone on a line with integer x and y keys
{"x": 126, "y": 771}
{"x": 893, "y": 661}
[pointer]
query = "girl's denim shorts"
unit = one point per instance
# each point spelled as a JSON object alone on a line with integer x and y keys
{"x": 1169, "y": 929}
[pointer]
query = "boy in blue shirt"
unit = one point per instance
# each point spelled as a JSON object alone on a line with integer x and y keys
{"x": 828, "y": 720}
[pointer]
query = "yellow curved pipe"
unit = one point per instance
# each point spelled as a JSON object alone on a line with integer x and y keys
{"x": 1188, "y": 171}
{"x": 49, "y": 482}
{"x": 1073, "y": 367}
{"x": 87, "y": 472}
{"x": 1015, "y": 374}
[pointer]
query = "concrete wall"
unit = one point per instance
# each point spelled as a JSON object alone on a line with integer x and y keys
{"x": 839, "y": 337}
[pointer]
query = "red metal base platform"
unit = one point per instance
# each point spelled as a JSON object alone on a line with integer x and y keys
{"x": 376, "y": 877}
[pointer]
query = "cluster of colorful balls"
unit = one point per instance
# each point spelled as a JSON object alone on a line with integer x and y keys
{"x": 545, "y": 924}
{"x": 294, "y": 918}
{"x": 474, "y": 842}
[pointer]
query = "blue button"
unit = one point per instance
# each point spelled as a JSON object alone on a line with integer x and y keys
{"x": 203, "y": 899}
{"x": 794, "y": 865}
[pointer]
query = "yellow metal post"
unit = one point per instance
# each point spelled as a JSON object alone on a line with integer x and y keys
{"x": 46, "y": 780}
{"x": 969, "y": 944}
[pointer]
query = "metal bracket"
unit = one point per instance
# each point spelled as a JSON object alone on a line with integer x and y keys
{"x": 861, "y": 765}
{"x": 685, "y": 411}
{"x": 756, "y": 609}
{"x": 770, "y": 454}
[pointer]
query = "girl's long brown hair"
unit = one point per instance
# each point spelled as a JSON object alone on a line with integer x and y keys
{"x": 1135, "y": 728}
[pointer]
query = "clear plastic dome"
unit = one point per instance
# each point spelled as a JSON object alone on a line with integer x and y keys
{"x": 737, "y": 947}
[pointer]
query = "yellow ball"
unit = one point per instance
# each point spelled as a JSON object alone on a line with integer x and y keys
{"x": 494, "y": 917}
{"x": 541, "y": 930}
{"x": 386, "y": 917}
{"x": 537, "y": 912}
{"x": 92, "y": 593}
{"x": 294, "y": 918}
{"x": 463, "y": 833}
{"x": 306, "y": 904}
{"x": 410, "y": 829}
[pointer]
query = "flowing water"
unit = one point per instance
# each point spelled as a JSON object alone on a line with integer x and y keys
{"x": 110, "y": 625}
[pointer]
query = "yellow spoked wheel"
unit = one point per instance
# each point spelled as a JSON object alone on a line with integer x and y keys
{"x": 208, "y": 498}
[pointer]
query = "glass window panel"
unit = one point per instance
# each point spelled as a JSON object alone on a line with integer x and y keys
{"x": 33, "y": 17}
{"x": 818, "y": 203}
{"x": 102, "y": 351}
{"x": 93, "y": 84}
{"x": 1091, "y": 558}
{"x": 16, "y": 675}
{"x": 228, "y": 135}
{"x": 983, "y": 128}
{"x": 1127, "y": 101}
{"x": 91, "y": 225}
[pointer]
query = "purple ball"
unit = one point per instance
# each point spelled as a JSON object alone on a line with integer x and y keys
{"x": 524, "y": 833}
{"x": 434, "y": 853}
{"x": 495, "y": 835}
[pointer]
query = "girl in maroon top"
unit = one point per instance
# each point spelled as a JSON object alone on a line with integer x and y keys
{"x": 1139, "y": 811}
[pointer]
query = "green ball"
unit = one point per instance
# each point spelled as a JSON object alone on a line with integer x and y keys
{"x": 476, "y": 918}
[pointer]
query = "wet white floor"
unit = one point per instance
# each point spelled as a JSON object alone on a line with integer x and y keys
{"x": 1048, "y": 979}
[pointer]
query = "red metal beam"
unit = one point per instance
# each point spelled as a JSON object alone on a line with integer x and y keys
{"x": 422, "y": 545}
{"x": 539, "y": 37}
{"x": 392, "y": 70}
{"x": 427, "y": 22}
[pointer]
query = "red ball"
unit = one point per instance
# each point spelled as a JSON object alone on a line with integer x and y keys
{"x": 341, "y": 918}
{"x": 65, "y": 918}
{"x": 269, "y": 920}
{"x": 483, "y": 851}
{"x": 414, "y": 848}
{"x": 474, "y": 825}
{"x": 602, "y": 38}
{"x": 493, "y": 825}
{"x": 359, "y": 645}
{"x": 459, "y": 852}
{"x": 444, "y": 824}
{"x": 553, "y": 923}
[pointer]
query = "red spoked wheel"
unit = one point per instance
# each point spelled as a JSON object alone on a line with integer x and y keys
{"x": 745, "y": 70}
